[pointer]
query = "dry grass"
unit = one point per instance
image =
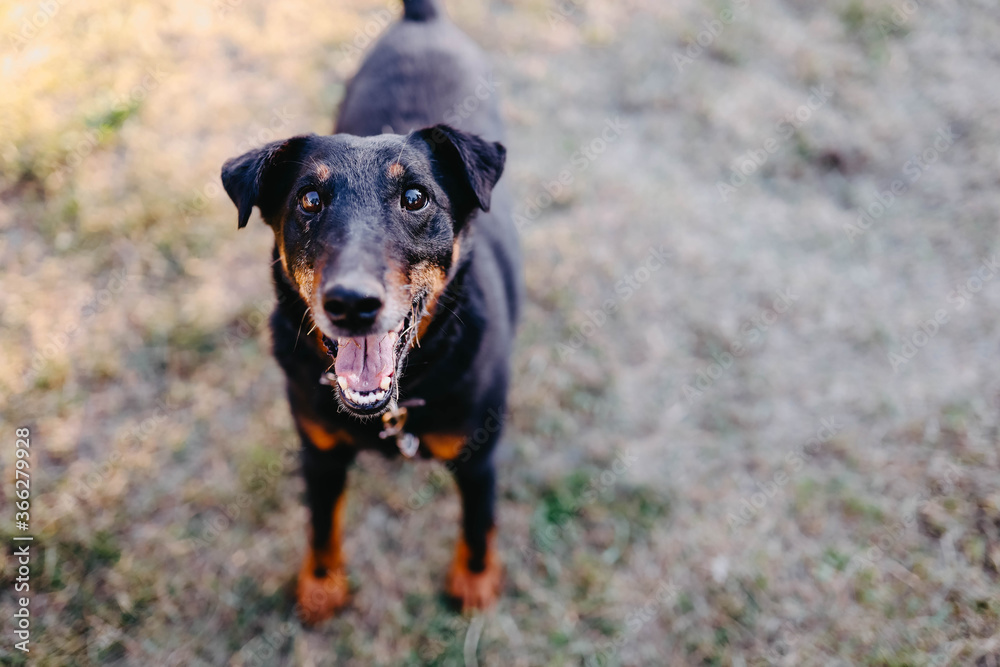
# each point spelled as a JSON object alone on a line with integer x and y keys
{"x": 804, "y": 505}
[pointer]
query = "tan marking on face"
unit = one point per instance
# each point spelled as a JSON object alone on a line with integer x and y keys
{"x": 444, "y": 446}
{"x": 322, "y": 437}
{"x": 305, "y": 279}
{"x": 397, "y": 290}
{"x": 395, "y": 278}
{"x": 281, "y": 254}
{"x": 430, "y": 278}
{"x": 308, "y": 284}
{"x": 396, "y": 170}
{"x": 322, "y": 171}
{"x": 318, "y": 337}
{"x": 301, "y": 276}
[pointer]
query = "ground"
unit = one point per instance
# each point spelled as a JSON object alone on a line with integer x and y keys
{"x": 756, "y": 408}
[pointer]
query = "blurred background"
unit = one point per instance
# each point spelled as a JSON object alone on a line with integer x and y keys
{"x": 756, "y": 409}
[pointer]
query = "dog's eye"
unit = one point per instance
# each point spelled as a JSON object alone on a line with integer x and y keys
{"x": 310, "y": 202}
{"x": 414, "y": 199}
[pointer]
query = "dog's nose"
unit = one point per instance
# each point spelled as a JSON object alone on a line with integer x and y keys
{"x": 353, "y": 304}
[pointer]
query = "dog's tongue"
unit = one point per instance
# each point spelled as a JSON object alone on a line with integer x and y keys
{"x": 367, "y": 361}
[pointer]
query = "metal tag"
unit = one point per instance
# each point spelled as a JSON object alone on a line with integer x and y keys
{"x": 394, "y": 420}
{"x": 408, "y": 444}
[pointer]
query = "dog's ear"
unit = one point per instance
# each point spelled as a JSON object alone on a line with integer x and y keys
{"x": 254, "y": 178}
{"x": 477, "y": 162}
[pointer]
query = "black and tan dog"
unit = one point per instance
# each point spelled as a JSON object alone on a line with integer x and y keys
{"x": 397, "y": 273}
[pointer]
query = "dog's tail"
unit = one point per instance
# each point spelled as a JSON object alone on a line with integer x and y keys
{"x": 420, "y": 10}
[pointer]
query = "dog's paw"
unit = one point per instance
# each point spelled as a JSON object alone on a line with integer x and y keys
{"x": 320, "y": 597}
{"x": 474, "y": 590}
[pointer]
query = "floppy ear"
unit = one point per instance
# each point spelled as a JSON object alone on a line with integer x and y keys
{"x": 253, "y": 179}
{"x": 477, "y": 162}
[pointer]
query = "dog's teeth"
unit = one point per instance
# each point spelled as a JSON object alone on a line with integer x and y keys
{"x": 363, "y": 397}
{"x": 385, "y": 383}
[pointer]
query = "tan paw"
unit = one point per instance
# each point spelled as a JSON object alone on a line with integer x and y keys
{"x": 320, "y": 597}
{"x": 474, "y": 590}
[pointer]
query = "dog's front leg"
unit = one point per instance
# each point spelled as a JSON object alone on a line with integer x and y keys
{"x": 476, "y": 574}
{"x": 322, "y": 584}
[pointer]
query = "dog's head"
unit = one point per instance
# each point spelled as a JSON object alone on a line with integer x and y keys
{"x": 367, "y": 229}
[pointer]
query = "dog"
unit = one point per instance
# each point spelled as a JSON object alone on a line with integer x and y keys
{"x": 397, "y": 273}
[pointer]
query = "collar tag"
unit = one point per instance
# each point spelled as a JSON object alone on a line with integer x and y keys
{"x": 408, "y": 444}
{"x": 394, "y": 419}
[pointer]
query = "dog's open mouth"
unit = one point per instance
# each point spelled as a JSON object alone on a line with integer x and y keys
{"x": 366, "y": 368}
